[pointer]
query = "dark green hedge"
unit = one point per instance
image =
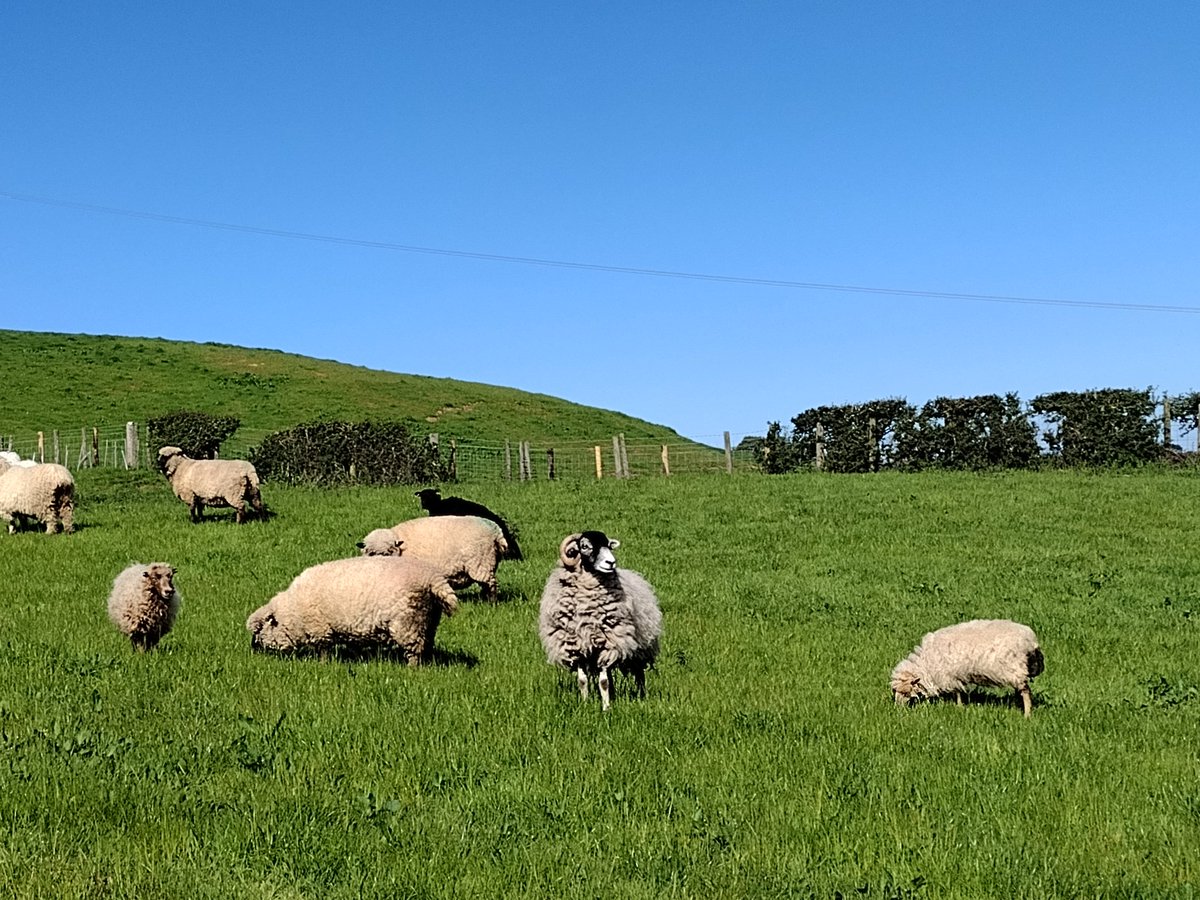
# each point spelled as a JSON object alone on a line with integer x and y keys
{"x": 332, "y": 453}
{"x": 198, "y": 434}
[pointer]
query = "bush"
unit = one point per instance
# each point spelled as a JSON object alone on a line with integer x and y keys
{"x": 329, "y": 453}
{"x": 199, "y": 435}
{"x": 982, "y": 432}
{"x": 1112, "y": 426}
{"x": 860, "y": 437}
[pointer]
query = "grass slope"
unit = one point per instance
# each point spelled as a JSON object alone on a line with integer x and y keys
{"x": 67, "y": 381}
{"x": 767, "y": 761}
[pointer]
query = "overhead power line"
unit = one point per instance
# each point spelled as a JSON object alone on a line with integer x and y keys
{"x": 592, "y": 267}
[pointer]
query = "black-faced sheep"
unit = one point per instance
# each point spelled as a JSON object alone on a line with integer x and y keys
{"x": 985, "y": 652}
{"x": 595, "y": 617}
{"x": 435, "y": 504}
{"x": 211, "y": 482}
{"x": 44, "y": 491}
{"x": 143, "y": 603}
{"x": 364, "y": 600}
{"x": 465, "y": 549}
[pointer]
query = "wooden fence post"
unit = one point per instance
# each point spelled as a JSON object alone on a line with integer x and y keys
{"x": 95, "y": 446}
{"x": 41, "y": 447}
{"x": 453, "y": 459}
{"x": 526, "y": 467}
{"x": 599, "y": 463}
{"x": 131, "y": 445}
{"x": 624, "y": 457}
{"x": 819, "y": 458}
{"x": 549, "y": 463}
{"x": 82, "y": 461}
{"x": 872, "y": 446}
{"x": 617, "y": 473}
{"x": 666, "y": 461}
{"x": 507, "y": 460}
{"x": 1166, "y": 421}
{"x": 728, "y": 455}
{"x": 54, "y": 435}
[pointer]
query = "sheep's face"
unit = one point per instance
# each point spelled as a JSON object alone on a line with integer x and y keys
{"x": 429, "y": 497}
{"x": 906, "y": 684}
{"x": 593, "y": 550}
{"x": 381, "y": 542}
{"x": 160, "y": 579}
{"x": 168, "y": 459}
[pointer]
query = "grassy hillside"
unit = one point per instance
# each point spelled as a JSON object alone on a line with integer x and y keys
{"x": 767, "y": 761}
{"x": 68, "y": 381}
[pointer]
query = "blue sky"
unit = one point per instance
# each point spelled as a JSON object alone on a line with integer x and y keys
{"x": 1018, "y": 149}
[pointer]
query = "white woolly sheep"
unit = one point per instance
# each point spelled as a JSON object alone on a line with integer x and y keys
{"x": 595, "y": 617}
{"x": 435, "y": 504}
{"x": 465, "y": 549}
{"x": 985, "y": 652}
{"x": 144, "y": 602}
{"x": 14, "y": 459}
{"x": 211, "y": 482}
{"x": 359, "y": 601}
{"x": 45, "y": 491}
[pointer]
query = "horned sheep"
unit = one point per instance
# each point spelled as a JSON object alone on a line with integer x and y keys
{"x": 985, "y": 652}
{"x": 43, "y": 491}
{"x": 144, "y": 603}
{"x": 595, "y": 617}
{"x": 211, "y": 482}
{"x": 359, "y": 601}
{"x": 466, "y": 549}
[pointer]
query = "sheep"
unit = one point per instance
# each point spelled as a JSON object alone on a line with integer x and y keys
{"x": 987, "y": 652}
{"x": 363, "y": 600}
{"x": 594, "y": 617}
{"x": 435, "y": 504}
{"x": 211, "y": 482}
{"x": 44, "y": 491}
{"x": 14, "y": 459}
{"x": 465, "y": 549}
{"x": 144, "y": 602}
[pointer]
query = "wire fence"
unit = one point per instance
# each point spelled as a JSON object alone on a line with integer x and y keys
{"x": 128, "y": 447}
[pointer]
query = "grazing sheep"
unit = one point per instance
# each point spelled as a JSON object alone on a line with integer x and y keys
{"x": 359, "y": 601}
{"x": 595, "y": 617}
{"x": 44, "y": 491}
{"x": 211, "y": 482}
{"x": 465, "y": 549}
{"x": 987, "y": 652}
{"x": 143, "y": 603}
{"x": 435, "y": 504}
{"x": 14, "y": 459}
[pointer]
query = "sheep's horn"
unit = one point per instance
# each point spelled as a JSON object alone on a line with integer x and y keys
{"x": 568, "y": 552}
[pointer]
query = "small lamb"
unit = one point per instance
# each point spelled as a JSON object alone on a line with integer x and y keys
{"x": 359, "y": 601}
{"x": 211, "y": 482}
{"x": 594, "y": 617}
{"x": 143, "y": 603}
{"x": 986, "y": 652}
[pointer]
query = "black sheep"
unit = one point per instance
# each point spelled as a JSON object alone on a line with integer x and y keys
{"x": 435, "y": 504}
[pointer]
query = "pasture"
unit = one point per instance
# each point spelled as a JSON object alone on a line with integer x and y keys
{"x": 767, "y": 761}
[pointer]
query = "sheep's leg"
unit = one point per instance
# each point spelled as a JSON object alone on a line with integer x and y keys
{"x": 239, "y": 510}
{"x": 958, "y": 697}
{"x": 197, "y": 511}
{"x": 639, "y": 678}
{"x": 581, "y": 677}
{"x": 1026, "y": 699}
{"x": 605, "y": 689}
{"x": 489, "y": 589}
{"x": 67, "y": 516}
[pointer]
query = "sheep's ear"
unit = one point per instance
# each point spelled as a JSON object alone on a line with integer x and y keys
{"x": 613, "y": 544}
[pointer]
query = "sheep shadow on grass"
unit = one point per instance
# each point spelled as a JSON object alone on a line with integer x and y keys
{"x": 362, "y": 653}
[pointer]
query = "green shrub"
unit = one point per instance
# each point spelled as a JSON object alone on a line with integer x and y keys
{"x": 328, "y": 453}
{"x": 197, "y": 434}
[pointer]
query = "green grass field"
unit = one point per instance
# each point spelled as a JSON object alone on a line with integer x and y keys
{"x": 67, "y": 382}
{"x": 767, "y": 761}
